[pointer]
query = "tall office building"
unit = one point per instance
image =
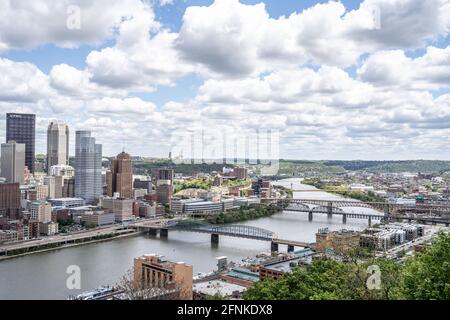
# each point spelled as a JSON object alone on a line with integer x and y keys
{"x": 54, "y": 184}
{"x": 240, "y": 173}
{"x": 164, "y": 192}
{"x": 57, "y": 144}
{"x": 68, "y": 190}
{"x": 10, "y": 200}
{"x": 41, "y": 211}
{"x": 153, "y": 271}
{"x": 22, "y": 129}
{"x": 120, "y": 178}
{"x": 166, "y": 174}
{"x": 13, "y": 162}
{"x": 88, "y": 167}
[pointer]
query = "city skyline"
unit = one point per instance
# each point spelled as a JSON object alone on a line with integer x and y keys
{"x": 243, "y": 151}
{"x": 365, "y": 85}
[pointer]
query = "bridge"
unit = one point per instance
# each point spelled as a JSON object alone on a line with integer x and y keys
{"x": 332, "y": 210}
{"x": 231, "y": 230}
{"x": 386, "y": 208}
{"x": 334, "y": 207}
{"x": 237, "y": 231}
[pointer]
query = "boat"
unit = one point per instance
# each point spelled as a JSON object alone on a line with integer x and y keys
{"x": 96, "y": 294}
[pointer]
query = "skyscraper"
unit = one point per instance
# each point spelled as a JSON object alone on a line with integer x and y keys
{"x": 13, "y": 162}
{"x": 166, "y": 174}
{"x": 22, "y": 129}
{"x": 57, "y": 144}
{"x": 88, "y": 167}
{"x": 10, "y": 200}
{"x": 120, "y": 178}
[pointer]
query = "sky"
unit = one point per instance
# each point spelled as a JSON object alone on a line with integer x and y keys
{"x": 349, "y": 79}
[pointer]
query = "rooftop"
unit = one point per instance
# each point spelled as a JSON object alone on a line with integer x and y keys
{"x": 67, "y": 199}
{"x": 244, "y": 274}
{"x": 286, "y": 266}
{"x": 217, "y": 286}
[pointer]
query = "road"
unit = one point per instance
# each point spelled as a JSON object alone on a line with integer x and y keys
{"x": 116, "y": 229}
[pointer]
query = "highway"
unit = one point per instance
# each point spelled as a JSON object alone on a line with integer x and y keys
{"x": 118, "y": 229}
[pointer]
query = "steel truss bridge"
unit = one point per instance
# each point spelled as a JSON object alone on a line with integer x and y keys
{"x": 423, "y": 213}
{"x": 237, "y": 231}
{"x": 387, "y": 208}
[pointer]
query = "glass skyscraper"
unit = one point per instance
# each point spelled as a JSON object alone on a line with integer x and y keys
{"x": 21, "y": 128}
{"x": 88, "y": 167}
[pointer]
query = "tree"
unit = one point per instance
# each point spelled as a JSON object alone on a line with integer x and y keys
{"x": 389, "y": 272}
{"x": 327, "y": 279}
{"x": 323, "y": 279}
{"x": 216, "y": 296}
{"x": 130, "y": 291}
{"x": 427, "y": 275}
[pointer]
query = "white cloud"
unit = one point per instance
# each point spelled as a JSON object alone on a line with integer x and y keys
{"x": 143, "y": 57}
{"x": 22, "y": 82}
{"x": 282, "y": 74}
{"x": 230, "y": 39}
{"x": 27, "y": 24}
{"x": 121, "y": 106}
{"x": 403, "y": 23}
{"x": 394, "y": 69}
{"x": 290, "y": 86}
{"x": 224, "y": 36}
{"x": 163, "y": 3}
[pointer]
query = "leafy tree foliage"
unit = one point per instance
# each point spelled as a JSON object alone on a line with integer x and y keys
{"x": 427, "y": 276}
{"x": 424, "y": 276}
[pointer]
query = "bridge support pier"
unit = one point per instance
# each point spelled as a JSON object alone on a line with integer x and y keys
{"x": 274, "y": 247}
{"x": 164, "y": 233}
{"x": 310, "y": 216}
{"x": 370, "y": 221}
{"x": 214, "y": 238}
{"x": 344, "y": 218}
{"x": 330, "y": 209}
{"x": 153, "y": 232}
{"x": 291, "y": 248}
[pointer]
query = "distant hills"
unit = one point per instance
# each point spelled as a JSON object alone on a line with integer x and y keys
{"x": 309, "y": 168}
{"x": 424, "y": 166}
{"x": 337, "y": 166}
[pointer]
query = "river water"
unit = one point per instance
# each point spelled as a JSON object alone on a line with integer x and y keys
{"x": 43, "y": 275}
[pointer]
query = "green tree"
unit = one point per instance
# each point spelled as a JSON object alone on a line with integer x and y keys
{"x": 427, "y": 275}
{"x": 216, "y": 296}
{"x": 327, "y": 279}
{"x": 323, "y": 279}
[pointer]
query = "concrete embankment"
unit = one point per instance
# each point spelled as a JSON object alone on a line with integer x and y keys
{"x": 63, "y": 245}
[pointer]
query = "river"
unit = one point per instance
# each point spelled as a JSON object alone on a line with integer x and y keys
{"x": 43, "y": 275}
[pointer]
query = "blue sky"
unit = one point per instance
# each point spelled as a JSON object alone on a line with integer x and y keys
{"x": 321, "y": 75}
{"x": 48, "y": 55}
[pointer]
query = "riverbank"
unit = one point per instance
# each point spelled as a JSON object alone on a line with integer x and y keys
{"x": 16, "y": 253}
{"x": 337, "y": 189}
{"x": 284, "y": 192}
{"x": 252, "y": 212}
{"x": 106, "y": 262}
